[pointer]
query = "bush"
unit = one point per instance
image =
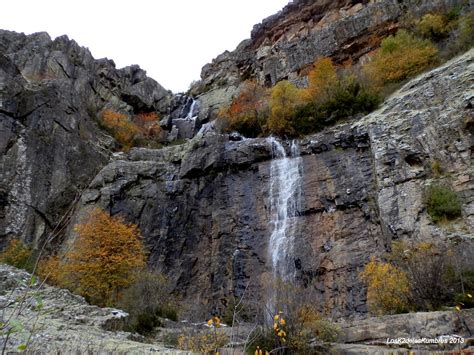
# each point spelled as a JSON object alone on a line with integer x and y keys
{"x": 433, "y": 26}
{"x": 148, "y": 123}
{"x": 322, "y": 81}
{"x": 248, "y": 111}
{"x": 347, "y": 99}
{"x": 103, "y": 260}
{"x": 388, "y": 289}
{"x": 400, "y": 57}
{"x": 284, "y": 98}
{"x": 148, "y": 300}
{"x": 296, "y": 321}
{"x": 442, "y": 203}
{"x": 131, "y": 132}
{"x": 18, "y": 255}
{"x": 428, "y": 266}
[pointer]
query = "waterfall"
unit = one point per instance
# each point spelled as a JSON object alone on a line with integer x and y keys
{"x": 285, "y": 205}
{"x": 189, "y": 116}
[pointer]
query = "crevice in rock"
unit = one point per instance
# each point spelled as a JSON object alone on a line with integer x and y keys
{"x": 62, "y": 126}
{"x": 42, "y": 216}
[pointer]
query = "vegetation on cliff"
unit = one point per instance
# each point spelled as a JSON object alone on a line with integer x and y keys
{"x": 418, "y": 276}
{"x": 345, "y": 91}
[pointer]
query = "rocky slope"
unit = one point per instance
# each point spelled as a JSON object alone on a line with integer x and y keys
{"x": 285, "y": 45}
{"x": 50, "y": 320}
{"x": 204, "y": 207}
{"x": 46, "y": 320}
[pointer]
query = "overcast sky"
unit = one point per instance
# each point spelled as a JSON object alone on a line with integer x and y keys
{"x": 172, "y": 40}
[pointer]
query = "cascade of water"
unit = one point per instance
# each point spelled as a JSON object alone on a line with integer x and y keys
{"x": 189, "y": 116}
{"x": 285, "y": 204}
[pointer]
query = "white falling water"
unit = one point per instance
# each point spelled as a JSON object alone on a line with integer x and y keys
{"x": 190, "y": 116}
{"x": 285, "y": 205}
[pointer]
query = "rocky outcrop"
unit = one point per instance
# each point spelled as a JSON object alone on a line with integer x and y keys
{"x": 204, "y": 207}
{"x": 285, "y": 45}
{"x": 388, "y": 334}
{"x": 51, "y": 95}
{"x": 48, "y": 320}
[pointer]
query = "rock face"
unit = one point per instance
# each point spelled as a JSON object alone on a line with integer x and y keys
{"x": 53, "y": 320}
{"x": 285, "y": 45}
{"x": 51, "y": 93}
{"x": 204, "y": 207}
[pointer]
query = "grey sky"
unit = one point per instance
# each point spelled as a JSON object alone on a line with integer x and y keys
{"x": 171, "y": 39}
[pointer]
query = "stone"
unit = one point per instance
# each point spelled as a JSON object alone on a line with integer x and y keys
{"x": 64, "y": 322}
{"x": 285, "y": 45}
{"x": 51, "y": 94}
{"x": 203, "y": 206}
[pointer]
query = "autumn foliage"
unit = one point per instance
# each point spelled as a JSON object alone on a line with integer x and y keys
{"x": 148, "y": 123}
{"x": 400, "y": 57}
{"x": 388, "y": 288}
{"x": 284, "y": 98}
{"x": 127, "y": 130}
{"x": 18, "y": 255}
{"x": 247, "y": 112}
{"x": 102, "y": 261}
{"x": 322, "y": 81}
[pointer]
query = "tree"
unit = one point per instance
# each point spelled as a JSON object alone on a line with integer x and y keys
{"x": 284, "y": 98}
{"x": 120, "y": 126}
{"x": 248, "y": 111}
{"x": 426, "y": 265}
{"x": 322, "y": 81}
{"x": 103, "y": 259}
{"x": 388, "y": 288}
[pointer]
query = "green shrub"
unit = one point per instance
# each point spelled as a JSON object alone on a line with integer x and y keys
{"x": 347, "y": 99}
{"x": 145, "y": 323}
{"x": 442, "y": 203}
{"x": 436, "y": 168}
{"x": 147, "y": 301}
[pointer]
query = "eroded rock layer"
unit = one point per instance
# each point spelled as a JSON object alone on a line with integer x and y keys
{"x": 203, "y": 207}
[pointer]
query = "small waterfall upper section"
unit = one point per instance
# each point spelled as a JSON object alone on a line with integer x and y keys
{"x": 285, "y": 197}
{"x": 183, "y": 117}
{"x": 190, "y": 115}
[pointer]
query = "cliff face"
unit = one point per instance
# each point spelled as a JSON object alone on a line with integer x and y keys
{"x": 205, "y": 207}
{"x": 209, "y": 209}
{"x": 51, "y": 93}
{"x": 285, "y": 45}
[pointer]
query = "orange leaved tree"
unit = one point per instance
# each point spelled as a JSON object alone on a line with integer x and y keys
{"x": 388, "y": 289}
{"x": 103, "y": 260}
{"x": 248, "y": 111}
{"x": 323, "y": 81}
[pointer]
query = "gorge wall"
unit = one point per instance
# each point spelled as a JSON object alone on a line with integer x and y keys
{"x": 205, "y": 207}
{"x": 285, "y": 45}
{"x": 51, "y": 96}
